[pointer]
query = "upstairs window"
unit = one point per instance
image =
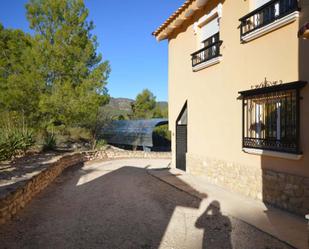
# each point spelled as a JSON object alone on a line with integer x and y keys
{"x": 266, "y": 17}
{"x": 206, "y": 30}
{"x": 210, "y": 40}
{"x": 210, "y": 50}
{"x": 271, "y": 118}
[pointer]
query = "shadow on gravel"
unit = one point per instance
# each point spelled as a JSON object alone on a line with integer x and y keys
{"x": 98, "y": 208}
{"x": 27, "y": 164}
{"x": 103, "y": 207}
{"x": 217, "y": 227}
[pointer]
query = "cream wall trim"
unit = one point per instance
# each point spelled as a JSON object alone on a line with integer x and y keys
{"x": 207, "y": 64}
{"x": 272, "y": 154}
{"x": 271, "y": 27}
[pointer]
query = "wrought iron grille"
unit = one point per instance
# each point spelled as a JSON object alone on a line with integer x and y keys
{"x": 266, "y": 14}
{"x": 271, "y": 121}
{"x": 210, "y": 50}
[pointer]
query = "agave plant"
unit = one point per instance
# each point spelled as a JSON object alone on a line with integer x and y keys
{"x": 49, "y": 142}
{"x": 15, "y": 142}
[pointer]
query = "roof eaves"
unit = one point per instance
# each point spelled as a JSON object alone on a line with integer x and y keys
{"x": 173, "y": 17}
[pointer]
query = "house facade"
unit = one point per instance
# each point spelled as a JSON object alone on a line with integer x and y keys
{"x": 238, "y": 96}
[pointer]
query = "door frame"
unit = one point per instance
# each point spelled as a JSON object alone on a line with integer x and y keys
{"x": 183, "y": 109}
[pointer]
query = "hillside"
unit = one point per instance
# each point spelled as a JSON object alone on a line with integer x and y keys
{"x": 162, "y": 104}
{"x": 122, "y": 106}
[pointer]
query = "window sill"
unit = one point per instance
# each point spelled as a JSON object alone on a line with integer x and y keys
{"x": 273, "y": 154}
{"x": 271, "y": 27}
{"x": 207, "y": 64}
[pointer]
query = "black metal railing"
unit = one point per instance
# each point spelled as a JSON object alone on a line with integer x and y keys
{"x": 288, "y": 146}
{"x": 271, "y": 121}
{"x": 266, "y": 14}
{"x": 207, "y": 53}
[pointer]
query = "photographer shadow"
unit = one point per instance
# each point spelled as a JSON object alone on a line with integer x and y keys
{"x": 217, "y": 227}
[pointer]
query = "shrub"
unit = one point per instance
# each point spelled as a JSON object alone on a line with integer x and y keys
{"x": 79, "y": 134}
{"x": 14, "y": 142}
{"x": 49, "y": 142}
{"x": 163, "y": 131}
{"x": 100, "y": 144}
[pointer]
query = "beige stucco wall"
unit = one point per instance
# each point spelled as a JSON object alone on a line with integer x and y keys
{"x": 214, "y": 113}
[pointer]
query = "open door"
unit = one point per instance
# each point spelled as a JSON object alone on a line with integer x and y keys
{"x": 181, "y": 138}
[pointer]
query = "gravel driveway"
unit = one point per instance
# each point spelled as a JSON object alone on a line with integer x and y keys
{"x": 117, "y": 204}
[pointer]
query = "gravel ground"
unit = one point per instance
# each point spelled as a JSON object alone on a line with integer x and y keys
{"x": 118, "y": 205}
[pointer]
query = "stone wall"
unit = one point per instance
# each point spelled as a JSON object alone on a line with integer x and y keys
{"x": 119, "y": 153}
{"x": 282, "y": 190}
{"x": 286, "y": 191}
{"x": 22, "y": 192}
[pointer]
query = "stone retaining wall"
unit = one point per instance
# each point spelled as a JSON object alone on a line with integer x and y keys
{"x": 286, "y": 191}
{"x": 22, "y": 192}
{"x": 118, "y": 153}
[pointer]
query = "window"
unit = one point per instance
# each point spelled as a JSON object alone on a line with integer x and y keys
{"x": 211, "y": 40}
{"x": 265, "y": 17}
{"x": 210, "y": 50}
{"x": 271, "y": 117}
{"x": 206, "y": 30}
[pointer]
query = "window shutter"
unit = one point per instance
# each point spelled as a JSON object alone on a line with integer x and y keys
{"x": 209, "y": 29}
{"x": 259, "y": 3}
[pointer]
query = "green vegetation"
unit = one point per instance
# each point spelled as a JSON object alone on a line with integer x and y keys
{"x": 100, "y": 144}
{"x": 53, "y": 80}
{"x": 121, "y": 109}
{"x": 14, "y": 142}
{"x": 145, "y": 107}
{"x": 53, "y": 83}
{"x": 163, "y": 131}
{"x": 49, "y": 142}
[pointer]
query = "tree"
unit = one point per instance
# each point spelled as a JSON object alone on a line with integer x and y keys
{"x": 143, "y": 105}
{"x": 20, "y": 85}
{"x": 160, "y": 112}
{"x": 73, "y": 74}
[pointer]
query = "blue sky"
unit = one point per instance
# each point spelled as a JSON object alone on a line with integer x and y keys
{"x": 124, "y": 30}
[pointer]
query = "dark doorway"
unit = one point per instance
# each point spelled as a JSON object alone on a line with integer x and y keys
{"x": 181, "y": 139}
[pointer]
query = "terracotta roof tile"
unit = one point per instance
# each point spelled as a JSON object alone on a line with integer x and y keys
{"x": 173, "y": 17}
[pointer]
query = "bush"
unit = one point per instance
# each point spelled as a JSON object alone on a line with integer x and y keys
{"x": 14, "y": 142}
{"x": 100, "y": 144}
{"x": 79, "y": 134}
{"x": 163, "y": 131}
{"x": 49, "y": 142}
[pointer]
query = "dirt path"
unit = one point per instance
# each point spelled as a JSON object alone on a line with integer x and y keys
{"x": 117, "y": 204}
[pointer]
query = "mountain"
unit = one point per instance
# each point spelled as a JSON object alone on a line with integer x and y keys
{"x": 122, "y": 106}
{"x": 162, "y": 104}
{"x": 118, "y": 106}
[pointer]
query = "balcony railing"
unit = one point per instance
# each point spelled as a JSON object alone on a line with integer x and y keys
{"x": 206, "y": 53}
{"x": 266, "y": 14}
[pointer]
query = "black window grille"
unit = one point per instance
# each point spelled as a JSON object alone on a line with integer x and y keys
{"x": 210, "y": 50}
{"x": 266, "y": 14}
{"x": 271, "y": 117}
